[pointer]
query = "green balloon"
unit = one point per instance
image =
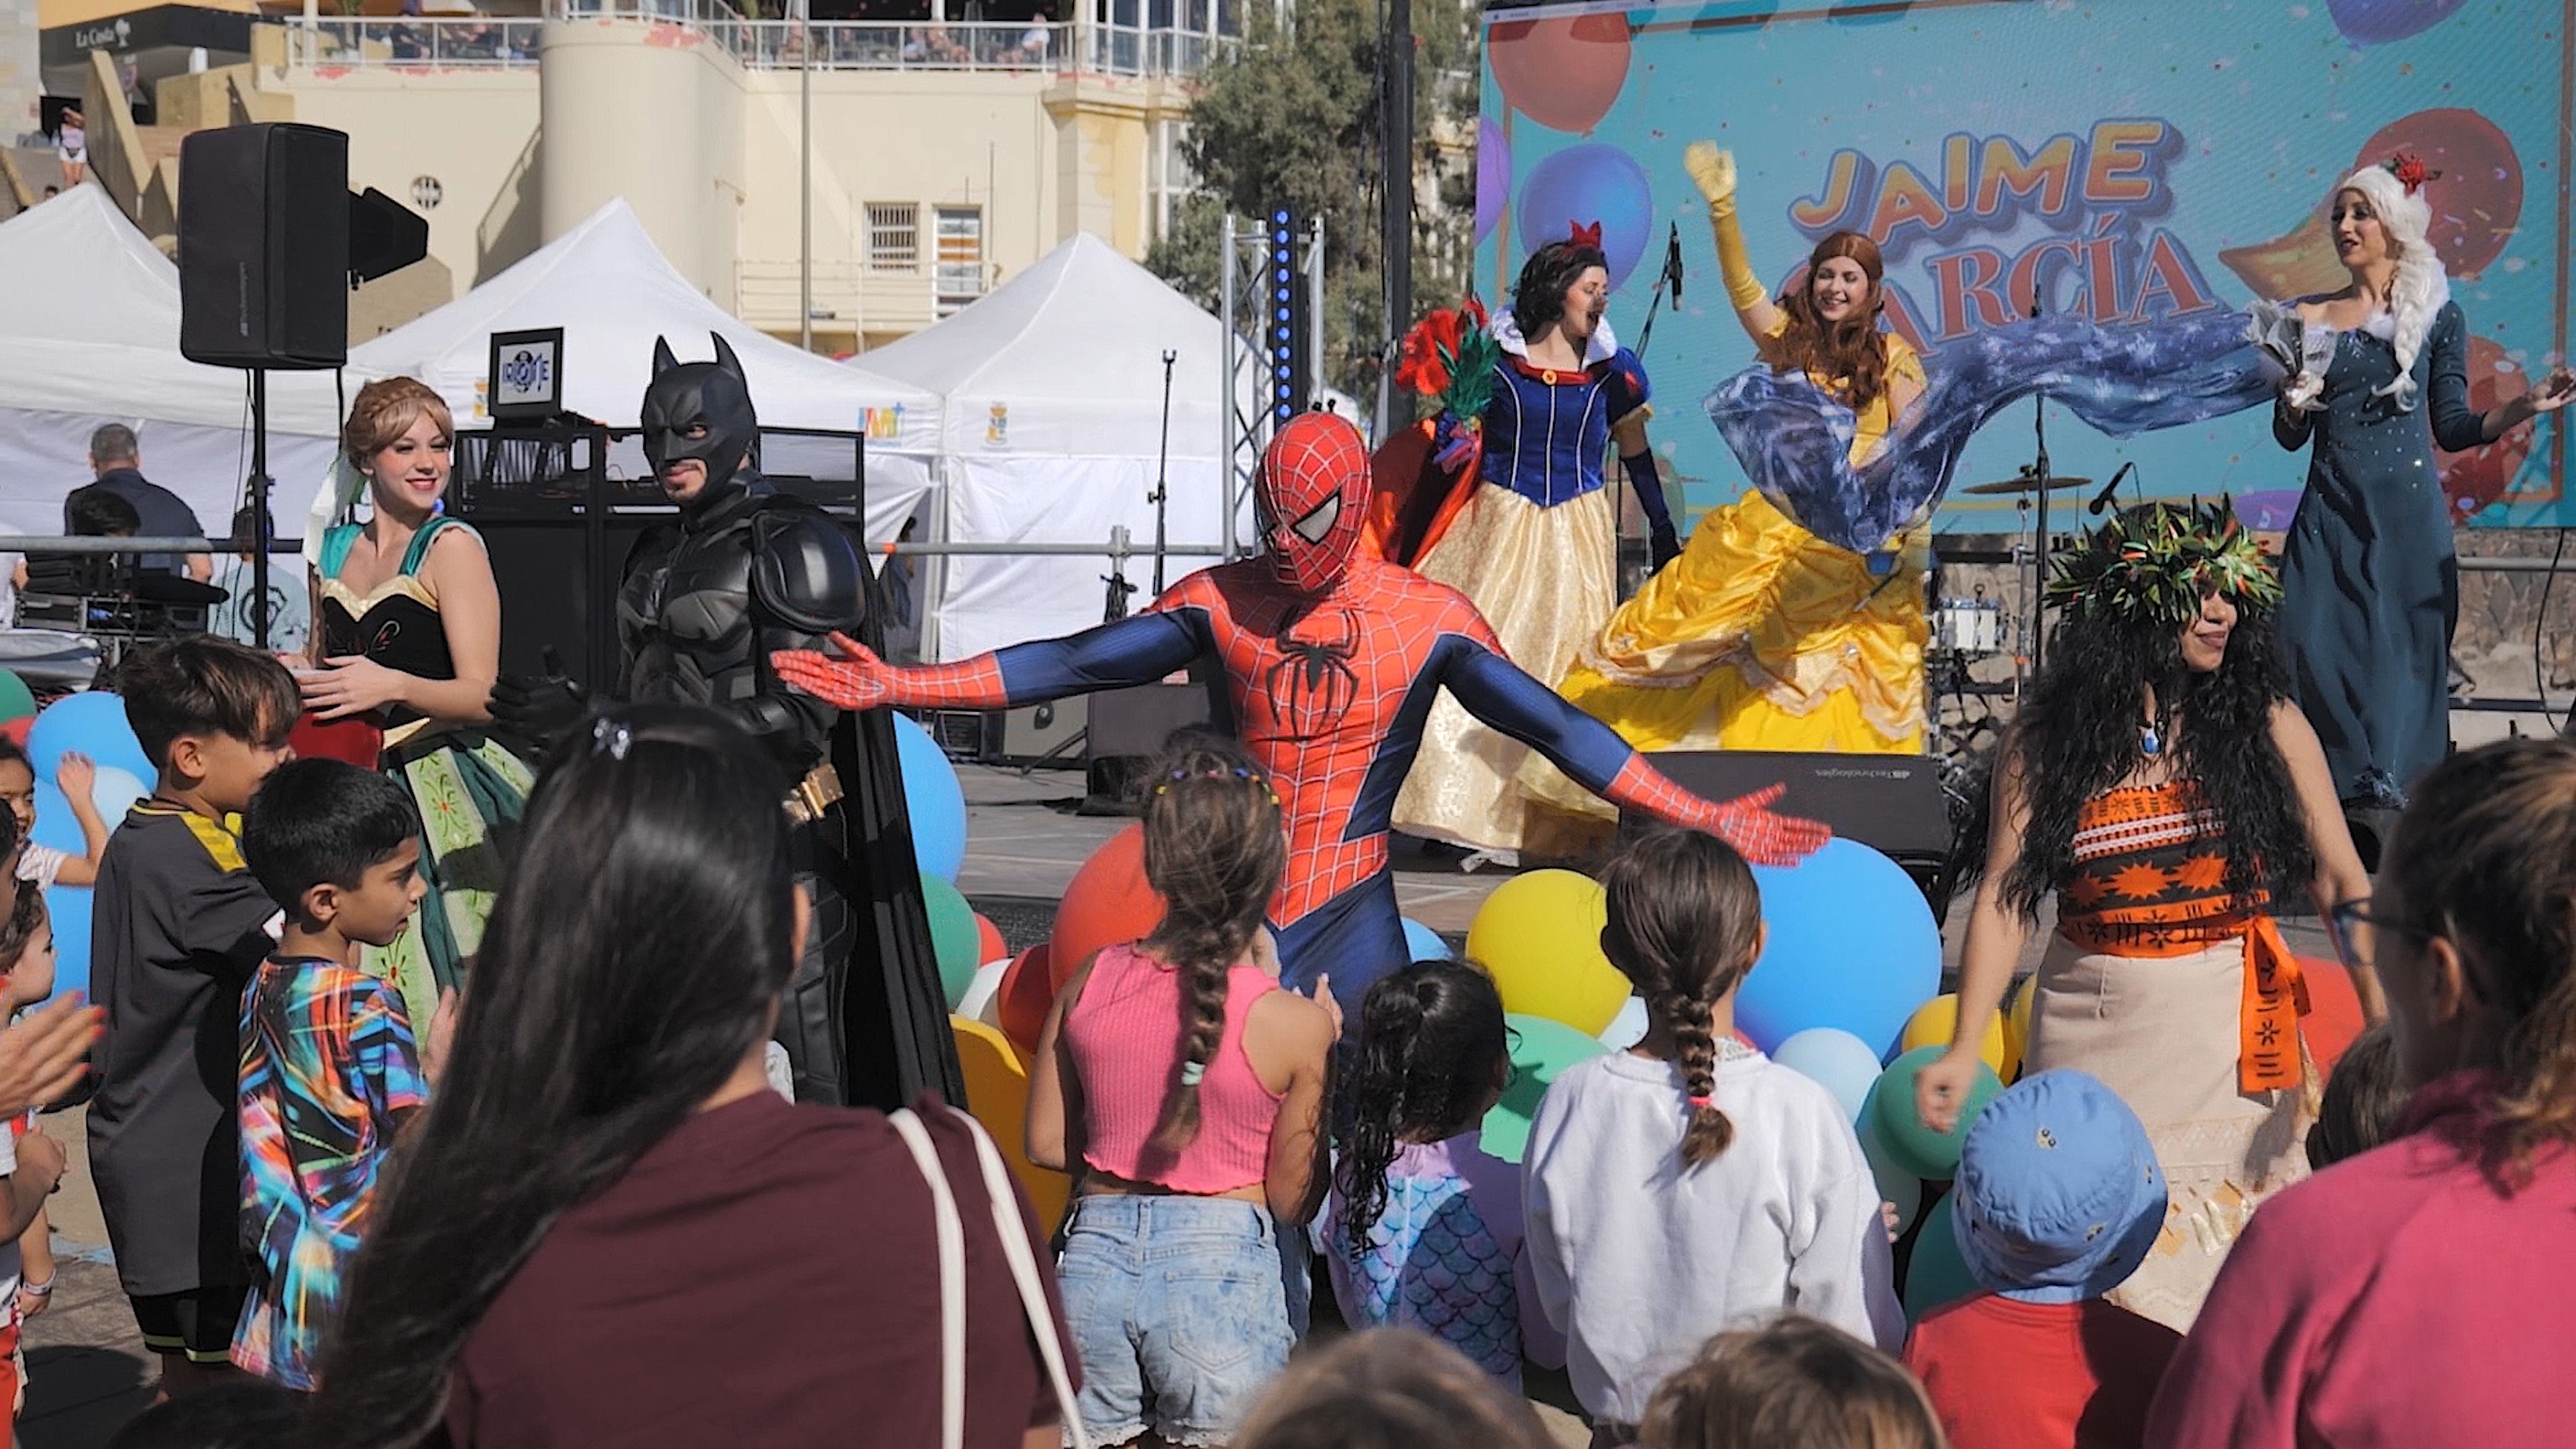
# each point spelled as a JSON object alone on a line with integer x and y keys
{"x": 1541, "y": 1048}
{"x": 953, "y": 937}
{"x": 1910, "y": 1146}
{"x": 16, "y": 700}
{"x": 1937, "y": 1276}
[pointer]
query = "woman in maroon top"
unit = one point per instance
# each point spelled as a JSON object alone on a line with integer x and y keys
{"x": 2420, "y": 1293}
{"x": 610, "y": 1230}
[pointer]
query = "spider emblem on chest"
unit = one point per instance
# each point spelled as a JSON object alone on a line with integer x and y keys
{"x": 1313, "y": 683}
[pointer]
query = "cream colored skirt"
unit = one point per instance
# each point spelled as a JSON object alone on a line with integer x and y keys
{"x": 1542, "y": 577}
{"x": 2162, "y": 1033}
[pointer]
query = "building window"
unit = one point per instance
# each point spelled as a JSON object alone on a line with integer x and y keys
{"x": 894, "y": 236}
{"x": 961, "y": 257}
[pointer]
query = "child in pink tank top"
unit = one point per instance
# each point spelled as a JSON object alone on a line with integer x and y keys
{"x": 1188, "y": 1088}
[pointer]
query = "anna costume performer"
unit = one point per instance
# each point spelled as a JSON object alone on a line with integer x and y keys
{"x": 1530, "y": 533}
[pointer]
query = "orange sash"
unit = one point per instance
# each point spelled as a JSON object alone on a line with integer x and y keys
{"x": 2267, "y": 1023}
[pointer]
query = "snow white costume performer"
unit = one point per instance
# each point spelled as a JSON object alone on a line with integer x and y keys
{"x": 1764, "y": 636}
{"x": 1532, "y": 541}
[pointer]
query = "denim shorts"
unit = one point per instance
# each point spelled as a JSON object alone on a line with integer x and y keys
{"x": 1177, "y": 1312}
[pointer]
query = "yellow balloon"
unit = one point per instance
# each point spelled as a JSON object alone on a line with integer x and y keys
{"x": 1937, "y": 1021}
{"x": 997, "y": 1093}
{"x": 2017, "y": 1027}
{"x": 1539, "y": 934}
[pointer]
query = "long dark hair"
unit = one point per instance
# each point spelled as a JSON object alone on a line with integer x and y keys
{"x": 2485, "y": 855}
{"x": 1539, "y": 298}
{"x": 1432, "y": 1045}
{"x": 2078, "y": 736}
{"x": 1214, "y": 849}
{"x": 1853, "y": 348}
{"x": 1685, "y": 919}
{"x": 631, "y": 963}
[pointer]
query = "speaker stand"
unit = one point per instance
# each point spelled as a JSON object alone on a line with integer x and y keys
{"x": 261, "y": 527}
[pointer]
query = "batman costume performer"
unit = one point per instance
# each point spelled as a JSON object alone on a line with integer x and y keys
{"x": 744, "y": 571}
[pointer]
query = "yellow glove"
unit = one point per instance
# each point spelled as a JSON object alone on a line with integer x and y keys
{"x": 1714, "y": 172}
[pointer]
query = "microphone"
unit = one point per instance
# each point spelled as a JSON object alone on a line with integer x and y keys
{"x": 1673, "y": 261}
{"x": 2110, "y": 493}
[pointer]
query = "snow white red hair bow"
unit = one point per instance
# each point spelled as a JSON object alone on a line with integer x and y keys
{"x": 1584, "y": 236}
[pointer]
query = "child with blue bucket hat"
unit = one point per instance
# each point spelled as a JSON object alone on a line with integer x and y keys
{"x": 2058, "y": 1200}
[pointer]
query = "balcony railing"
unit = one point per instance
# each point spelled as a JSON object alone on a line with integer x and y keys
{"x": 473, "y": 42}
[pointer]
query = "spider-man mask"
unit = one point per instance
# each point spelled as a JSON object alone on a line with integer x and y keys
{"x": 1312, "y": 496}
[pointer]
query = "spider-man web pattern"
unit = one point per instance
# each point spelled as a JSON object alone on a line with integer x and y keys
{"x": 1328, "y": 692}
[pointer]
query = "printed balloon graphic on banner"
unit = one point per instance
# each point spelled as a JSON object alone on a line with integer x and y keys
{"x": 2376, "y": 22}
{"x": 2478, "y": 477}
{"x": 1493, "y": 175}
{"x": 1562, "y": 72}
{"x": 1581, "y": 185}
{"x": 2476, "y": 199}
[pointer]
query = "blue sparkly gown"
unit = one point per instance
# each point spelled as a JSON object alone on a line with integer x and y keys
{"x": 2370, "y": 585}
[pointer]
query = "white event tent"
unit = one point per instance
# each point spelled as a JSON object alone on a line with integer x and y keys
{"x": 89, "y": 334}
{"x": 1052, "y": 399}
{"x": 612, "y": 291}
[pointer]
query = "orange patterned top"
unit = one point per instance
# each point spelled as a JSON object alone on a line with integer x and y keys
{"x": 2151, "y": 875}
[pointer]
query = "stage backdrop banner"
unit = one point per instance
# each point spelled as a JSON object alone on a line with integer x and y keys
{"x": 2123, "y": 159}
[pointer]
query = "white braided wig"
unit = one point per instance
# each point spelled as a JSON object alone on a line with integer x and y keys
{"x": 2421, "y": 287}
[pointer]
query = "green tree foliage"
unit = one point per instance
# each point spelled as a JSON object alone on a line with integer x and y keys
{"x": 1293, "y": 117}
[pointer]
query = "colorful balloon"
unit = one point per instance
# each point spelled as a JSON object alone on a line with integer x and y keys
{"x": 952, "y": 937}
{"x": 989, "y": 945}
{"x": 1627, "y": 1028}
{"x": 1107, "y": 902}
{"x": 933, "y": 798}
{"x": 2023, "y": 998}
{"x": 93, "y": 723}
{"x": 1564, "y": 72}
{"x": 1937, "y": 1275}
{"x": 1021, "y": 1003}
{"x": 1541, "y": 1048}
{"x": 1540, "y": 936}
{"x": 16, "y": 700}
{"x": 1582, "y": 185}
{"x": 68, "y": 908}
{"x": 1853, "y": 945}
{"x": 1835, "y": 1059}
{"x": 1911, "y": 1146}
{"x": 1938, "y": 1020}
{"x": 1421, "y": 943}
{"x": 2477, "y": 194}
{"x": 997, "y": 1095}
{"x": 2376, "y": 22}
{"x": 1896, "y": 1187}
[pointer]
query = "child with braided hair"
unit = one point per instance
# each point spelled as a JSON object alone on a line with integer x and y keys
{"x": 1193, "y": 1149}
{"x": 1688, "y": 1184}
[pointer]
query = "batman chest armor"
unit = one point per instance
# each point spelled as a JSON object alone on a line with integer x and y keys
{"x": 686, "y": 615}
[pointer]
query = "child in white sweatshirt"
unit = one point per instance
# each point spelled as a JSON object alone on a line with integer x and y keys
{"x": 1688, "y": 1185}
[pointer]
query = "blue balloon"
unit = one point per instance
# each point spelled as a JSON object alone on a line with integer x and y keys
{"x": 54, "y": 823}
{"x": 69, "y": 907}
{"x": 937, "y": 802}
{"x": 1835, "y": 1059}
{"x": 1584, "y": 184}
{"x": 1853, "y": 945}
{"x": 93, "y": 723}
{"x": 1421, "y": 943}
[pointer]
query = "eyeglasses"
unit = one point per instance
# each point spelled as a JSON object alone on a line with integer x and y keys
{"x": 2344, "y": 916}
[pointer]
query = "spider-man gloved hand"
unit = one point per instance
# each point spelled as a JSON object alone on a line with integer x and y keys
{"x": 853, "y": 677}
{"x": 1747, "y": 822}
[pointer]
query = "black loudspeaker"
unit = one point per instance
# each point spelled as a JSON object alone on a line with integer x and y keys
{"x": 264, "y": 246}
{"x": 1891, "y": 803}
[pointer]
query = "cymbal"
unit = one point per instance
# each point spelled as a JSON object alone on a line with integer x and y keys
{"x": 2029, "y": 484}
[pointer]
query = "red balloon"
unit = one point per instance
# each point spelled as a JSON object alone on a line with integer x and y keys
{"x": 2477, "y": 198}
{"x": 1563, "y": 72}
{"x": 990, "y": 947}
{"x": 2335, "y": 1015}
{"x": 2478, "y": 477}
{"x": 16, "y": 730}
{"x": 1025, "y": 997}
{"x": 1106, "y": 903}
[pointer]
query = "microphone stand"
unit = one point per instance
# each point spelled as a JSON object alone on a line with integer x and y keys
{"x": 2039, "y": 559}
{"x": 1162, "y": 463}
{"x": 1670, "y": 276}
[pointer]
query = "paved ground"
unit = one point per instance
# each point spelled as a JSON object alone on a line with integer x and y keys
{"x": 1025, "y": 841}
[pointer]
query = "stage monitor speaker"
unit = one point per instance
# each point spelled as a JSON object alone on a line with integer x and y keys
{"x": 1891, "y": 803}
{"x": 264, "y": 246}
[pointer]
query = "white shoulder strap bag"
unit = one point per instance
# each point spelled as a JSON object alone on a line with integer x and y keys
{"x": 1014, "y": 1235}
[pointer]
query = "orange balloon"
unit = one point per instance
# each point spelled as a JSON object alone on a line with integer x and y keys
{"x": 2334, "y": 1016}
{"x": 16, "y": 730}
{"x": 989, "y": 945}
{"x": 1106, "y": 903}
{"x": 1563, "y": 72}
{"x": 1025, "y": 996}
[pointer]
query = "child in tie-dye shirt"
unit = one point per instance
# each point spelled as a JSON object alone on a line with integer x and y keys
{"x": 1424, "y": 1226}
{"x": 330, "y": 1072}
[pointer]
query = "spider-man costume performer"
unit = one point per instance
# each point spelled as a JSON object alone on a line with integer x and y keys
{"x": 1331, "y": 661}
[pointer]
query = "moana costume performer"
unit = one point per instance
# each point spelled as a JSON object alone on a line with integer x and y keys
{"x": 1331, "y": 660}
